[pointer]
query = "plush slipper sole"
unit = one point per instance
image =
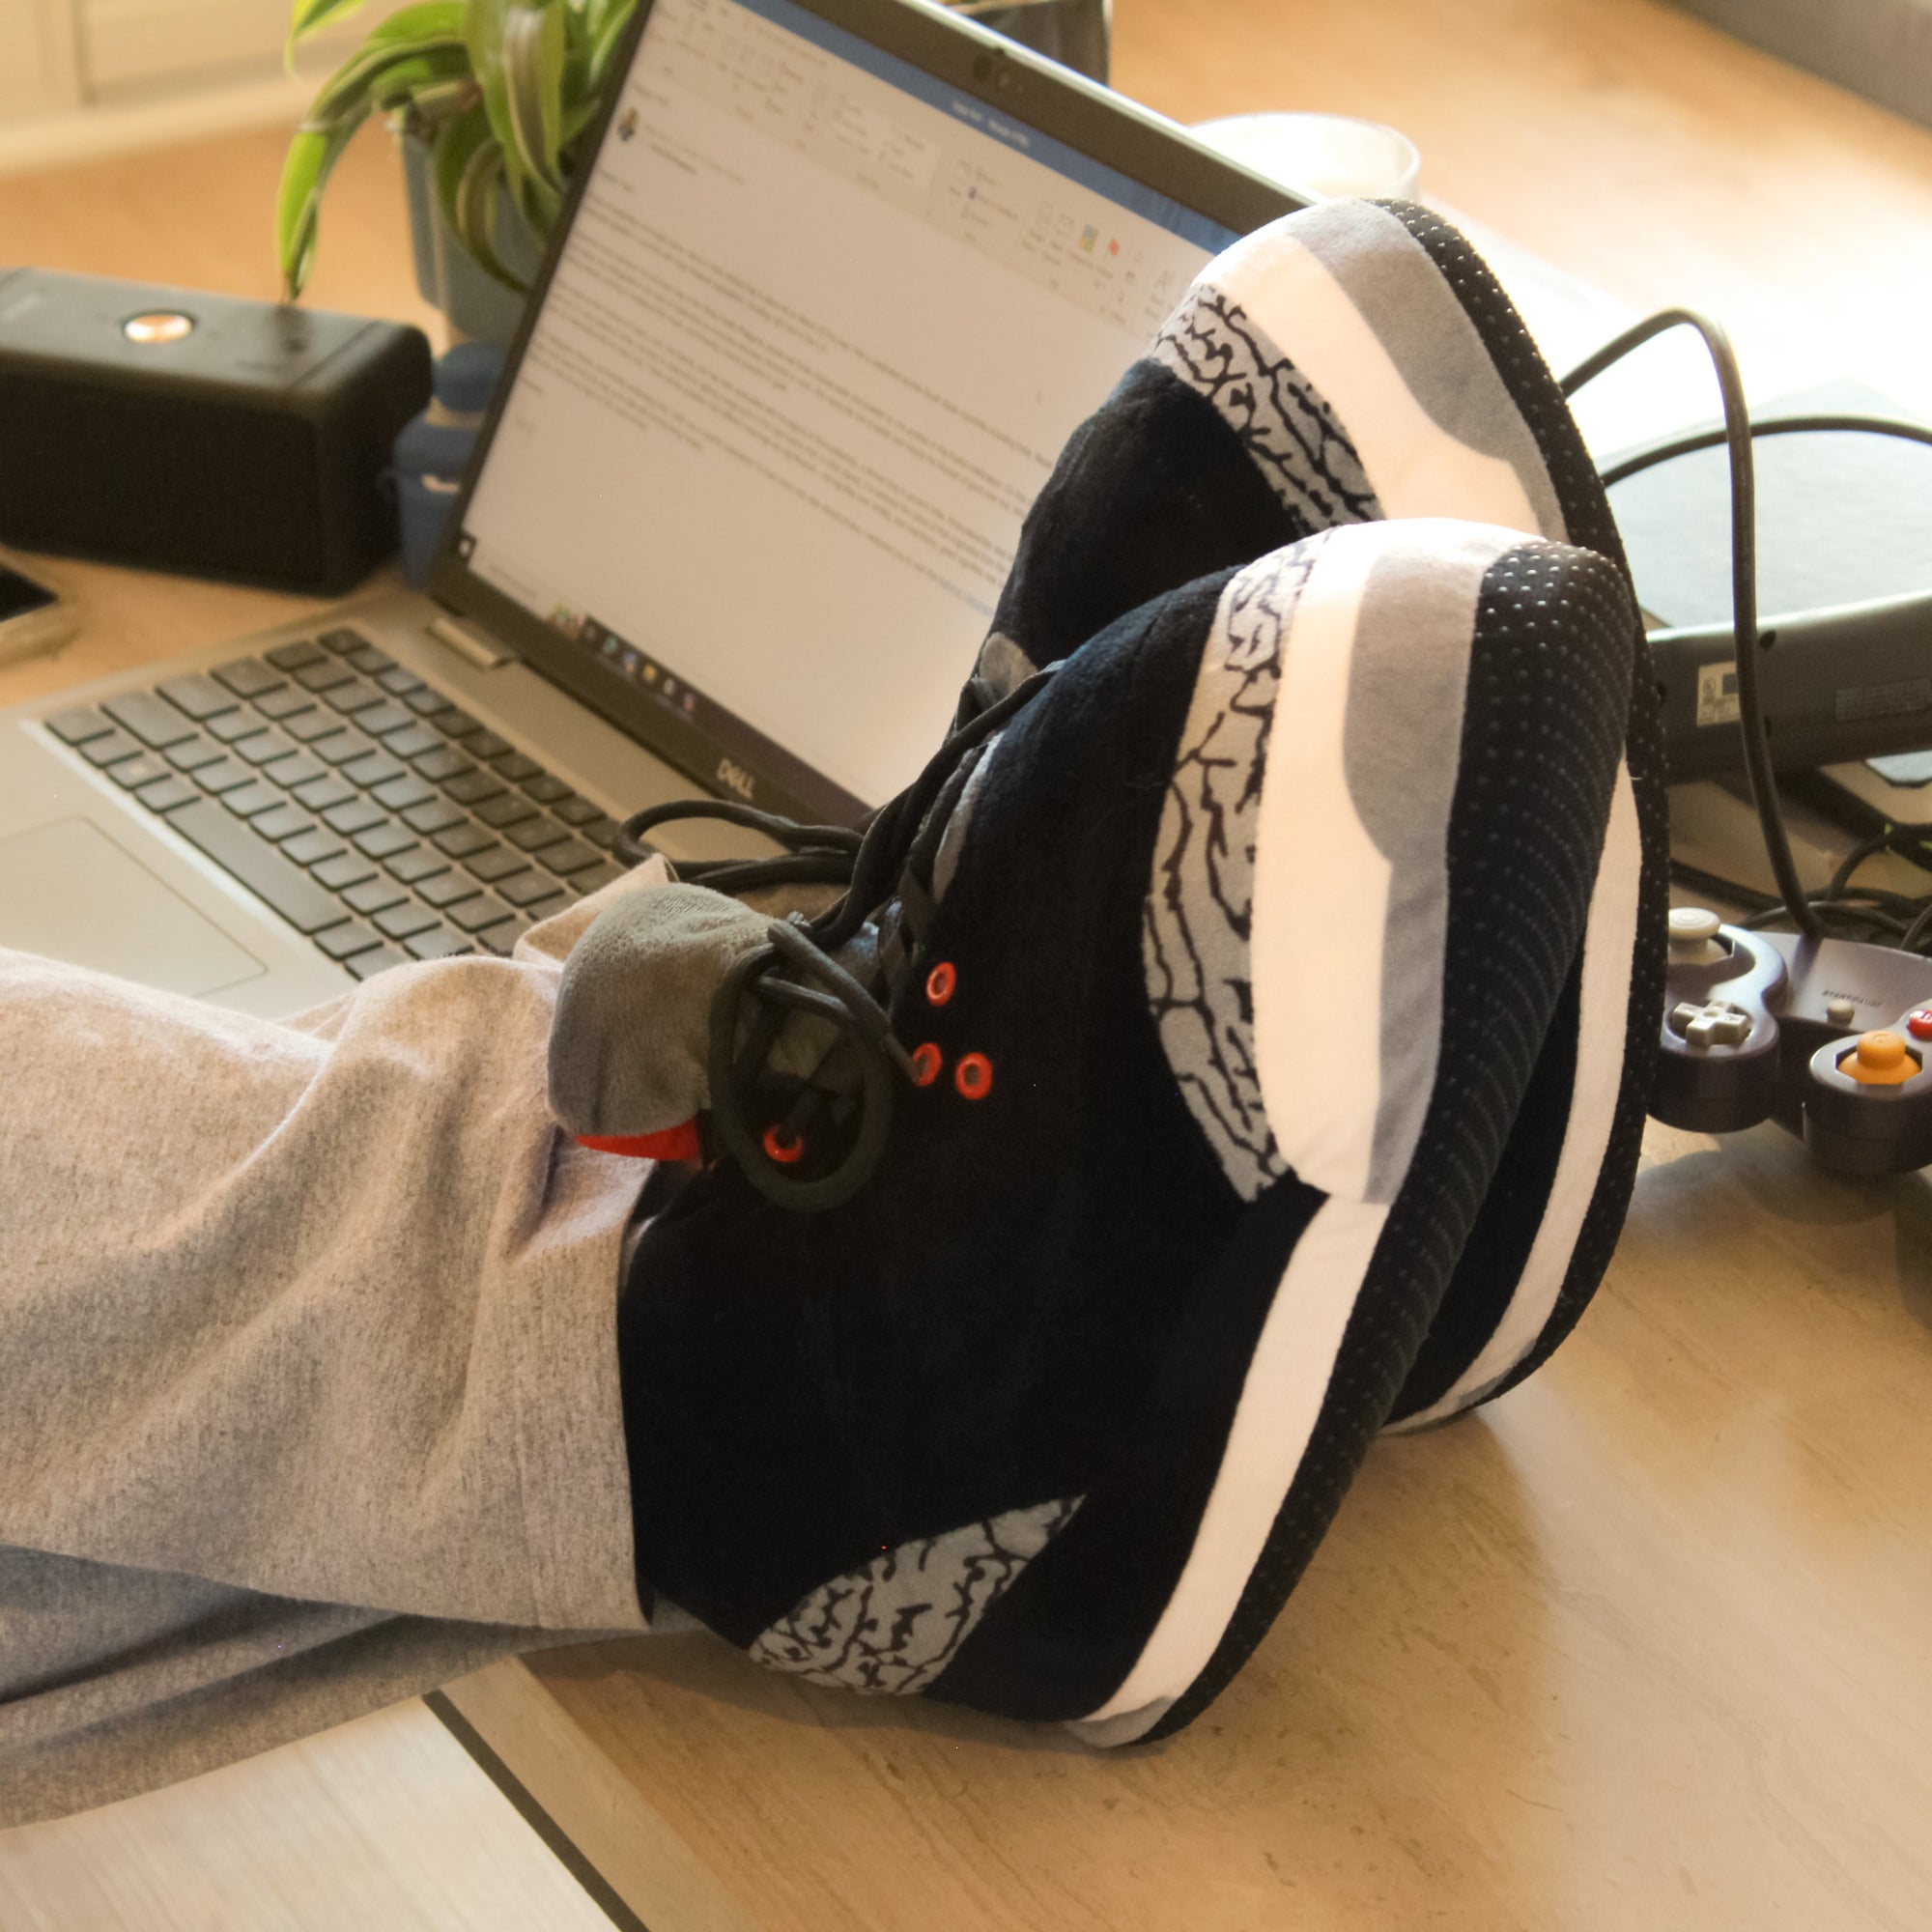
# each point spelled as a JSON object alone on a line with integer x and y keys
{"x": 1424, "y": 372}
{"x": 1424, "y": 685}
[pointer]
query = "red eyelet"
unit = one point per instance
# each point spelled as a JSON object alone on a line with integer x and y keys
{"x": 927, "y": 1061}
{"x": 940, "y": 983}
{"x": 974, "y": 1076}
{"x": 784, "y": 1148}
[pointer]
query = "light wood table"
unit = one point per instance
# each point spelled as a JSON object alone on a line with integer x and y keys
{"x": 1649, "y": 1644}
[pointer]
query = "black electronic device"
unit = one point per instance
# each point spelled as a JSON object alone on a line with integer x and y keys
{"x": 1839, "y": 684}
{"x": 180, "y": 431}
{"x": 1844, "y": 582}
{"x": 1826, "y": 1036}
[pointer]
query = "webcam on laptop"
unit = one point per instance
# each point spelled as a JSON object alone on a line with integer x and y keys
{"x": 994, "y": 70}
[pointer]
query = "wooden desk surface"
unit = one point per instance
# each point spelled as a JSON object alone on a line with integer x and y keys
{"x": 1648, "y": 1643}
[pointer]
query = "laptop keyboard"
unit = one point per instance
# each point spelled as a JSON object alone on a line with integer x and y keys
{"x": 373, "y": 814}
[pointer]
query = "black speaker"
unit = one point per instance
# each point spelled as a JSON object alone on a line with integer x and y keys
{"x": 198, "y": 433}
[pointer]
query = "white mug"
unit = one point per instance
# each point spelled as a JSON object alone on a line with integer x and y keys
{"x": 1319, "y": 155}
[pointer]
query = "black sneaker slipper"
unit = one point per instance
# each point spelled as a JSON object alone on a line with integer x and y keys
{"x": 1211, "y": 974}
{"x": 1351, "y": 362}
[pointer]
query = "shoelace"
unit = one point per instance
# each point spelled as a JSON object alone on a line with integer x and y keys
{"x": 795, "y": 972}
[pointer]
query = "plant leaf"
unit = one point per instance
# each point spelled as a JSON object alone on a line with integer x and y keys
{"x": 576, "y": 120}
{"x": 307, "y": 17}
{"x": 440, "y": 17}
{"x": 597, "y": 12}
{"x": 373, "y": 75}
{"x": 538, "y": 203}
{"x": 576, "y": 60}
{"x": 456, "y": 141}
{"x": 468, "y": 168}
{"x": 305, "y": 170}
{"x": 424, "y": 19}
{"x": 424, "y": 84}
{"x": 483, "y": 35}
{"x": 399, "y": 48}
{"x": 429, "y": 105}
{"x": 533, "y": 57}
{"x": 477, "y": 201}
{"x": 504, "y": 88}
{"x": 605, "y": 36}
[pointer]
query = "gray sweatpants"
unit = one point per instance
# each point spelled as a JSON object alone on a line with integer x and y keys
{"x": 308, "y": 1379}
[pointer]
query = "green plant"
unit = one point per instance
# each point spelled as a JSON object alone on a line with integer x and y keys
{"x": 502, "y": 91}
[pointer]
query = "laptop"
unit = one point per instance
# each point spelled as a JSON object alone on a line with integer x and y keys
{"x": 839, "y": 280}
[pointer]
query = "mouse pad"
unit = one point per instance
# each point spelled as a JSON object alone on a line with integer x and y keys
{"x": 68, "y": 891}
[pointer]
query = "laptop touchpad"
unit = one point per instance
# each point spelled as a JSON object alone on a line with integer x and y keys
{"x": 68, "y": 891}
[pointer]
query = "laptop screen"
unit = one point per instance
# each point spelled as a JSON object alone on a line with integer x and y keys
{"x": 819, "y": 327}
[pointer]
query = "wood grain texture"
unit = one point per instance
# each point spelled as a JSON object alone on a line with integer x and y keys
{"x": 379, "y": 1826}
{"x": 1646, "y": 1644}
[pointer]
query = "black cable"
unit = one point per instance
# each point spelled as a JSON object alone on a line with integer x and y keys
{"x": 1911, "y": 849}
{"x": 1868, "y": 918}
{"x": 1868, "y": 907}
{"x": 1737, "y": 438}
{"x": 1907, "y": 841}
{"x": 1641, "y": 460}
{"x": 1733, "y": 891}
{"x": 1866, "y": 848}
{"x": 896, "y": 824}
{"x": 804, "y": 841}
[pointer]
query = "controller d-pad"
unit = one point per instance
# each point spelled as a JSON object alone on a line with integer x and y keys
{"x": 1716, "y": 1023}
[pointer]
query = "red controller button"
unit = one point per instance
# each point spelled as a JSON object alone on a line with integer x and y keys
{"x": 1919, "y": 1023}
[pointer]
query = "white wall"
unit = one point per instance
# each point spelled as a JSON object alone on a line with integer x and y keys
{"x": 81, "y": 78}
{"x": 38, "y": 65}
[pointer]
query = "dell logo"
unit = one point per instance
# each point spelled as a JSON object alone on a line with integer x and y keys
{"x": 734, "y": 777}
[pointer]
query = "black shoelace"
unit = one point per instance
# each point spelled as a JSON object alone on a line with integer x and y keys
{"x": 814, "y": 1143}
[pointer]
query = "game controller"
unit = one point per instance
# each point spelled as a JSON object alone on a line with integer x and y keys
{"x": 1829, "y": 1037}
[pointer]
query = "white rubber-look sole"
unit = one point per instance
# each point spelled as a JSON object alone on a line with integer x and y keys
{"x": 1415, "y": 470}
{"x": 1281, "y": 1400}
{"x": 1319, "y": 919}
{"x": 1287, "y": 1379}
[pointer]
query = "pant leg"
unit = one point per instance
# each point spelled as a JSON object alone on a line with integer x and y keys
{"x": 308, "y": 1385}
{"x": 115, "y": 1681}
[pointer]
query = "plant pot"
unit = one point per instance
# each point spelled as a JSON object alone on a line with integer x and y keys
{"x": 478, "y": 307}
